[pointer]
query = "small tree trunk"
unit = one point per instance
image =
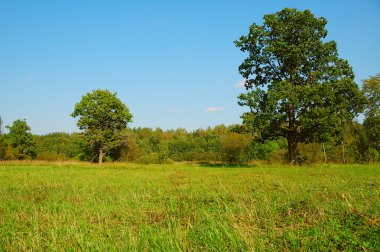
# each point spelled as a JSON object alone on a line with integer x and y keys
{"x": 343, "y": 153}
{"x": 324, "y": 152}
{"x": 100, "y": 156}
{"x": 291, "y": 137}
{"x": 292, "y": 148}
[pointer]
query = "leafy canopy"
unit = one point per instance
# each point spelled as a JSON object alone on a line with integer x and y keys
{"x": 297, "y": 86}
{"x": 102, "y": 116}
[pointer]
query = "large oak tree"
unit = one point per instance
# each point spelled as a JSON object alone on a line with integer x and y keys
{"x": 102, "y": 117}
{"x": 297, "y": 85}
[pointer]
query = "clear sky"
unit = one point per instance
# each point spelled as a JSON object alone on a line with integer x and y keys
{"x": 173, "y": 63}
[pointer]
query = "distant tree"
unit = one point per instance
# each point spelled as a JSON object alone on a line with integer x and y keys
{"x": 371, "y": 89}
{"x": 20, "y": 141}
{"x": 102, "y": 116}
{"x": 298, "y": 87}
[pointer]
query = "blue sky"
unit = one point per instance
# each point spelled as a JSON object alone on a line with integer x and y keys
{"x": 173, "y": 63}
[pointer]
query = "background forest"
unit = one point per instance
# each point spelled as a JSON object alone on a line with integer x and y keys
{"x": 212, "y": 145}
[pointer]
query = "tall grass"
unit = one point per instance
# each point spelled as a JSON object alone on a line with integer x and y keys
{"x": 180, "y": 207}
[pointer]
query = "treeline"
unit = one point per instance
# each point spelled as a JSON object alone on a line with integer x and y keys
{"x": 220, "y": 144}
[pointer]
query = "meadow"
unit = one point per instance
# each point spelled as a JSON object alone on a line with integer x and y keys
{"x": 181, "y": 207}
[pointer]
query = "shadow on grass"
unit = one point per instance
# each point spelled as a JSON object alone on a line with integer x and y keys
{"x": 213, "y": 165}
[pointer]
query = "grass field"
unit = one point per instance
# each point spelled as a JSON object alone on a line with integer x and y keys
{"x": 188, "y": 207}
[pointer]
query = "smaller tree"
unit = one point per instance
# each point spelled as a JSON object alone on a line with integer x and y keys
{"x": 102, "y": 116}
{"x": 20, "y": 141}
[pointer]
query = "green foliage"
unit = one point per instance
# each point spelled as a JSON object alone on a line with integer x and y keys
{"x": 235, "y": 148}
{"x": 9, "y": 153}
{"x": 360, "y": 142}
{"x": 179, "y": 145}
{"x": 145, "y": 145}
{"x": 21, "y": 144}
{"x": 155, "y": 158}
{"x": 51, "y": 156}
{"x": 181, "y": 149}
{"x": 373, "y": 155}
{"x": 135, "y": 207}
{"x": 102, "y": 116}
{"x": 58, "y": 146}
{"x": 128, "y": 150}
{"x": 298, "y": 87}
{"x": 371, "y": 88}
{"x": 263, "y": 150}
{"x": 310, "y": 153}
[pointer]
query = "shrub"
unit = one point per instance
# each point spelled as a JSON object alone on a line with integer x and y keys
{"x": 278, "y": 157}
{"x": 373, "y": 155}
{"x": 154, "y": 158}
{"x": 235, "y": 148}
{"x": 51, "y": 156}
{"x": 310, "y": 153}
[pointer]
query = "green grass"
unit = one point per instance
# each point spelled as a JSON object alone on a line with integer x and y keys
{"x": 189, "y": 207}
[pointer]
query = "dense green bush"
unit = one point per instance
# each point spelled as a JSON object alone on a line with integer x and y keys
{"x": 51, "y": 156}
{"x": 310, "y": 153}
{"x": 278, "y": 156}
{"x": 154, "y": 158}
{"x": 235, "y": 149}
{"x": 60, "y": 143}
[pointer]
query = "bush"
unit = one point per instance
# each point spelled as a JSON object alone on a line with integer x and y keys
{"x": 154, "y": 158}
{"x": 235, "y": 148}
{"x": 51, "y": 156}
{"x": 310, "y": 153}
{"x": 373, "y": 155}
{"x": 278, "y": 157}
{"x": 262, "y": 151}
